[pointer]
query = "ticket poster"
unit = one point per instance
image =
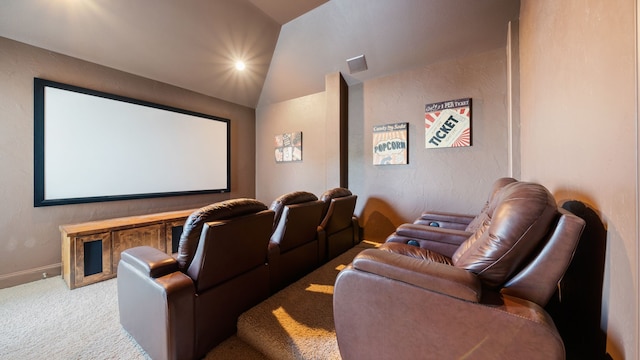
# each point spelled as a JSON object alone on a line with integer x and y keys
{"x": 448, "y": 124}
{"x": 288, "y": 147}
{"x": 390, "y": 144}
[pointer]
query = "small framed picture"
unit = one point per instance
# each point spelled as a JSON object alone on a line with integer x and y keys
{"x": 391, "y": 144}
{"x": 288, "y": 147}
{"x": 448, "y": 124}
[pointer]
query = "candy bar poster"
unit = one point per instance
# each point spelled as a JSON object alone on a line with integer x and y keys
{"x": 448, "y": 124}
{"x": 288, "y": 147}
{"x": 390, "y": 144}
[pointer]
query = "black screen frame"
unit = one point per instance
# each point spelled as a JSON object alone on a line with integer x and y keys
{"x": 40, "y": 198}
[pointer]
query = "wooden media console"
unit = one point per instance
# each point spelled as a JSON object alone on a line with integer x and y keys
{"x": 91, "y": 250}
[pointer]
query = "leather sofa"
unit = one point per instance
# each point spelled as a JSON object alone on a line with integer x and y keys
{"x": 339, "y": 230}
{"x": 484, "y": 300}
{"x": 294, "y": 247}
{"x": 181, "y": 308}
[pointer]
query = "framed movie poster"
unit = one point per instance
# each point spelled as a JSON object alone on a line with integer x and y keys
{"x": 448, "y": 124}
{"x": 288, "y": 147}
{"x": 391, "y": 144}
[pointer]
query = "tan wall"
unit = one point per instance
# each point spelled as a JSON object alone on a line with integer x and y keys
{"x": 448, "y": 179}
{"x": 30, "y": 243}
{"x": 306, "y": 114}
{"x": 319, "y": 118}
{"x": 451, "y": 179}
{"x": 579, "y": 131}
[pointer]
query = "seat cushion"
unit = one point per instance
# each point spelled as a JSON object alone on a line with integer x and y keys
{"x": 522, "y": 217}
{"x": 415, "y": 251}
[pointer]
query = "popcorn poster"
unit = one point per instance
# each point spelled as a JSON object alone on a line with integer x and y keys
{"x": 448, "y": 124}
{"x": 390, "y": 144}
{"x": 288, "y": 147}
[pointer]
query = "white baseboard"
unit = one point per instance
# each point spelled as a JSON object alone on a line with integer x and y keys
{"x": 25, "y": 276}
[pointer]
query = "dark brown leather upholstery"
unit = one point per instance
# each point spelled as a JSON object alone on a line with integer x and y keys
{"x": 444, "y": 232}
{"x": 485, "y": 302}
{"x": 469, "y": 223}
{"x": 293, "y": 249}
{"x": 339, "y": 230}
{"x": 180, "y": 309}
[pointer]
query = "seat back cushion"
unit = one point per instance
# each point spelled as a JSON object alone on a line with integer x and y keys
{"x": 330, "y": 194}
{"x": 339, "y": 216}
{"x": 219, "y": 211}
{"x": 521, "y": 219}
{"x": 230, "y": 249}
{"x": 489, "y": 206}
{"x": 296, "y": 197}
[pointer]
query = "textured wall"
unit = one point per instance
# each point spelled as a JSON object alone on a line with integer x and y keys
{"x": 306, "y": 114}
{"x": 30, "y": 242}
{"x": 450, "y": 179}
{"x": 579, "y": 132}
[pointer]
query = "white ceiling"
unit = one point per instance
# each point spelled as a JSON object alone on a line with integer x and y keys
{"x": 193, "y": 44}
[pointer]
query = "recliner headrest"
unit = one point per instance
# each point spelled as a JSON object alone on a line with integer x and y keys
{"x": 489, "y": 206}
{"x": 219, "y": 211}
{"x": 335, "y": 193}
{"x": 296, "y": 197}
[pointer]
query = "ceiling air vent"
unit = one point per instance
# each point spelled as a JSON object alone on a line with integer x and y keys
{"x": 357, "y": 64}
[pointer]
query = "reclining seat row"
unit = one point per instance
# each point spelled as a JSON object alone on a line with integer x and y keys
{"x": 231, "y": 256}
{"x": 453, "y": 228}
{"x": 481, "y": 299}
{"x": 308, "y": 232}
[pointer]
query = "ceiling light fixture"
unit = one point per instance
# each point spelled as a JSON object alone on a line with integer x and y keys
{"x": 357, "y": 64}
{"x": 240, "y": 65}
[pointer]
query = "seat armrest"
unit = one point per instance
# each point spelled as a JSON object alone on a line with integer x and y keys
{"x": 441, "y": 240}
{"x": 149, "y": 261}
{"x": 157, "y": 311}
{"x": 402, "y": 317}
{"x": 429, "y": 275}
{"x": 425, "y": 232}
{"x": 444, "y": 220}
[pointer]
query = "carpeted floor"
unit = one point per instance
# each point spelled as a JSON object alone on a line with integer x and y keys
{"x": 297, "y": 322}
{"x": 46, "y": 320}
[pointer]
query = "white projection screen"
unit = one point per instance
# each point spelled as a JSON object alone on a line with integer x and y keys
{"x": 91, "y": 146}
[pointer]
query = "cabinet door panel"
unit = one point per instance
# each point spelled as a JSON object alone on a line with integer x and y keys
{"x": 151, "y": 235}
{"x": 95, "y": 265}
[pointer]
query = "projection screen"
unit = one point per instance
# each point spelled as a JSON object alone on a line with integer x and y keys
{"x": 91, "y": 146}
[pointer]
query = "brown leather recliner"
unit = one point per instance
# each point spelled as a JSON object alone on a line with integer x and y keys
{"x": 443, "y": 232}
{"x": 294, "y": 249}
{"x": 339, "y": 230}
{"x": 464, "y": 222}
{"x": 483, "y": 301}
{"x": 181, "y": 308}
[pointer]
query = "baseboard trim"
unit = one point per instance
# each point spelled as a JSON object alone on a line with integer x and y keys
{"x": 29, "y": 275}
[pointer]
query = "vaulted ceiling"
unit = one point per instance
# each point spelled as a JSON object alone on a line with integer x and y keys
{"x": 288, "y": 45}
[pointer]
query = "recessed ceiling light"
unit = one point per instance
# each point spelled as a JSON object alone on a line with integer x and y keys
{"x": 240, "y": 65}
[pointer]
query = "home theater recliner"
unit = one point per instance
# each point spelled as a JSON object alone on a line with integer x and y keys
{"x": 484, "y": 300}
{"x": 181, "y": 308}
{"x": 339, "y": 230}
{"x": 294, "y": 248}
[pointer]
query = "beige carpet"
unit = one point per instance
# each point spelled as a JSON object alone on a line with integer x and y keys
{"x": 297, "y": 322}
{"x": 45, "y": 320}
